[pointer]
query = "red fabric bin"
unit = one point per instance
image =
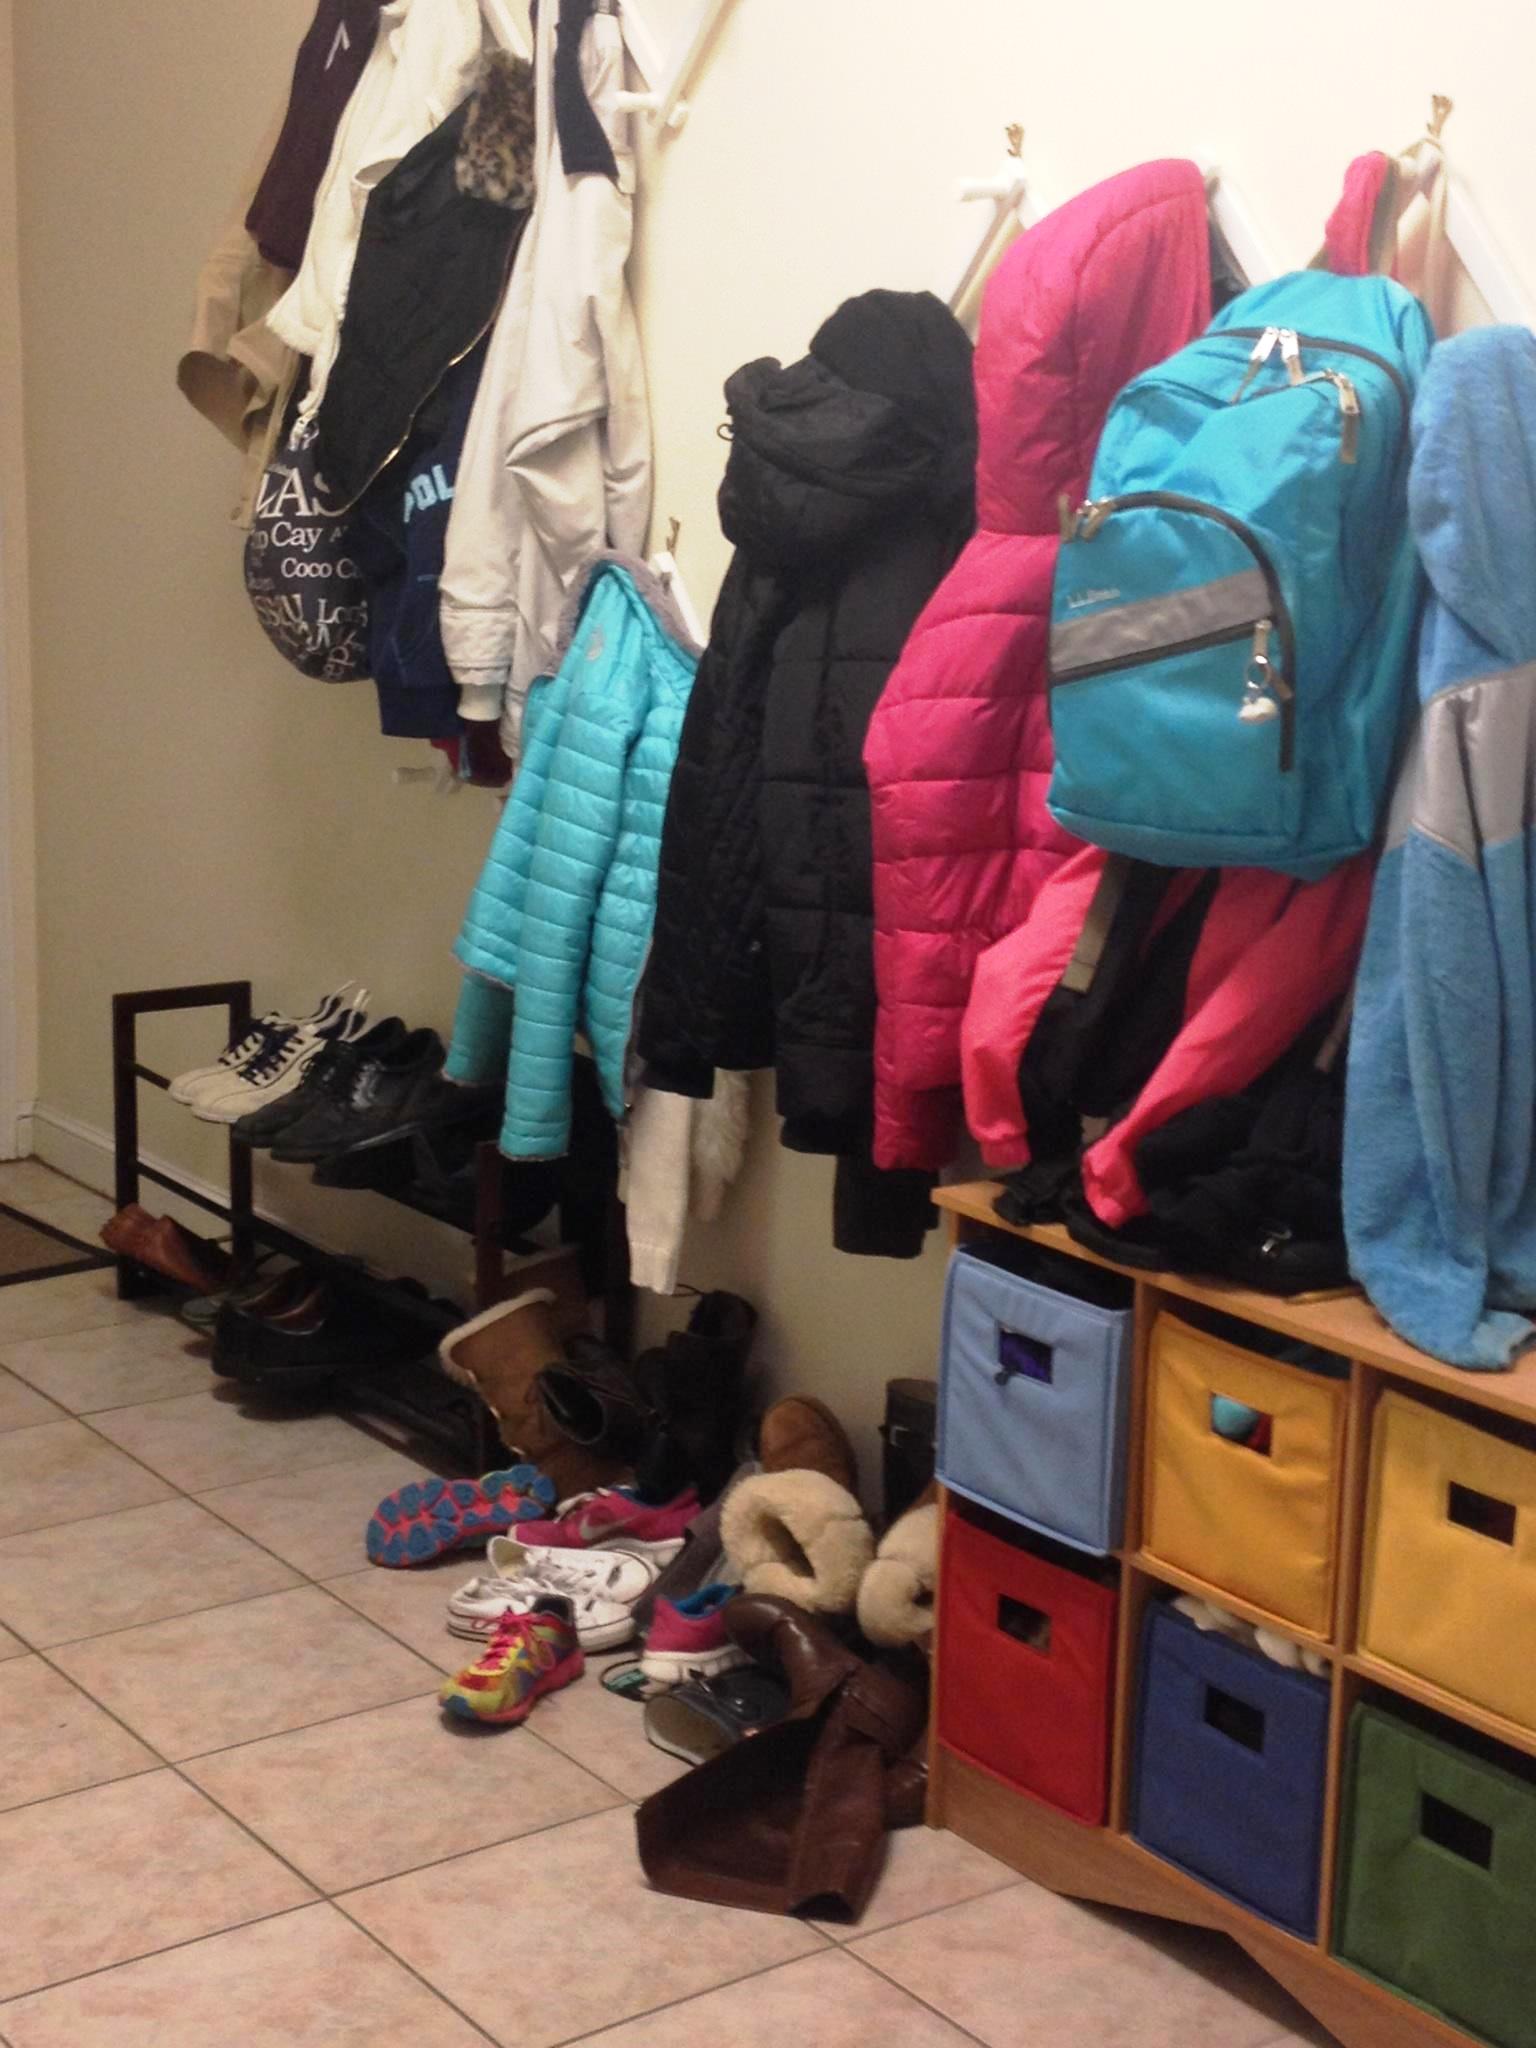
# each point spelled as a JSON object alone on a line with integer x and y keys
{"x": 1026, "y": 1660}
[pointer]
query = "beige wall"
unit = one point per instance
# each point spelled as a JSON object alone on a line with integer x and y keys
{"x": 18, "y": 919}
{"x": 204, "y": 812}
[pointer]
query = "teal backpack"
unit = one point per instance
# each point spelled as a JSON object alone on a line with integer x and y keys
{"x": 1234, "y": 610}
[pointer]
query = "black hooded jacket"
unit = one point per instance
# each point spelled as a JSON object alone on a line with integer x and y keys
{"x": 847, "y": 495}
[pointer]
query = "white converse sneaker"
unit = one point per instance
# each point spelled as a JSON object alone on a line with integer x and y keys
{"x": 278, "y": 1068}
{"x": 601, "y": 1585}
{"x": 221, "y": 1074}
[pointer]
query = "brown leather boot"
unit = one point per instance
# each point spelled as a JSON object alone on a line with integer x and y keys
{"x": 500, "y": 1354}
{"x": 793, "y": 1820}
{"x": 799, "y": 1434}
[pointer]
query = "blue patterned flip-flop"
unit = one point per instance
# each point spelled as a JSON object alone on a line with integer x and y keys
{"x": 431, "y": 1517}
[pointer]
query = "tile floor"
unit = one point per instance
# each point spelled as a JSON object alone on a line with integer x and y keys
{"x": 230, "y": 1812}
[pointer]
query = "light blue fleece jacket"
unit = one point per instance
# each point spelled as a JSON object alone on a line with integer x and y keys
{"x": 1440, "y": 1124}
{"x": 559, "y": 923}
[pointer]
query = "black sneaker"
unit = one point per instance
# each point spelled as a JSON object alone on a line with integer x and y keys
{"x": 329, "y": 1074}
{"x": 381, "y": 1102}
{"x": 703, "y": 1717}
{"x": 335, "y": 1331}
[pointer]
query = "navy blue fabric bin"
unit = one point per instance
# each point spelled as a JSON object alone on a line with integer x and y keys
{"x": 1033, "y": 1403}
{"x": 1231, "y": 1759}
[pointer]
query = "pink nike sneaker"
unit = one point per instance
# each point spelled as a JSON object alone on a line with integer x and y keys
{"x": 687, "y": 1638}
{"x": 616, "y": 1519}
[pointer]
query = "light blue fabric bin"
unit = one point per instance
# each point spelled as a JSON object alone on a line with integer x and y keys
{"x": 1034, "y": 1403}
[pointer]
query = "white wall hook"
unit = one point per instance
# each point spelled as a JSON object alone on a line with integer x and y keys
{"x": 441, "y": 778}
{"x": 1236, "y": 224}
{"x": 665, "y": 77}
{"x": 508, "y": 32}
{"x": 1013, "y": 207}
{"x": 1470, "y": 239}
{"x": 663, "y": 566}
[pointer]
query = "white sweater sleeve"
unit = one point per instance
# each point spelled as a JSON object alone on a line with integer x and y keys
{"x": 658, "y": 1144}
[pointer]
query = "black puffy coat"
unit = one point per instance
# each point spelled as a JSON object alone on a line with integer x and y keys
{"x": 847, "y": 495}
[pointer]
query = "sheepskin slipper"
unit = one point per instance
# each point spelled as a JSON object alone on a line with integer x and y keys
{"x": 800, "y": 1536}
{"x": 896, "y": 1593}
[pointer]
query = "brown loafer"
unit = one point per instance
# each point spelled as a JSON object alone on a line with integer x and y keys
{"x": 160, "y": 1243}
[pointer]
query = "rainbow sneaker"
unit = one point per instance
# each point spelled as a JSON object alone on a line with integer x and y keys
{"x": 432, "y": 1517}
{"x": 529, "y": 1655}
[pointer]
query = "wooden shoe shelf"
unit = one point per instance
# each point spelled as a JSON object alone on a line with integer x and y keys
{"x": 419, "y": 1396}
{"x": 1105, "y": 1864}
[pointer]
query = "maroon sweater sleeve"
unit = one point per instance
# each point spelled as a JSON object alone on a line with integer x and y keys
{"x": 329, "y": 63}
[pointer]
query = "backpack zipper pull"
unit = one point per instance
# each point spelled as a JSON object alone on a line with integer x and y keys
{"x": 1290, "y": 353}
{"x": 1350, "y": 410}
{"x": 1091, "y": 515}
{"x": 1262, "y": 350}
{"x": 1260, "y": 703}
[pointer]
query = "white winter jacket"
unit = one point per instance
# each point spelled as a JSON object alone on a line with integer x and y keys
{"x": 422, "y": 64}
{"x": 557, "y": 459}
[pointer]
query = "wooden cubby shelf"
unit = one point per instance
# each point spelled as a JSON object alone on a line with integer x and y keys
{"x": 1105, "y": 1864}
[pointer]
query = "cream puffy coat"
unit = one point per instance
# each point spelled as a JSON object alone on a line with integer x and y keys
{"x": 557, "y": 461}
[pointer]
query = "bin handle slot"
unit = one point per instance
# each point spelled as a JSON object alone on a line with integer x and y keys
{"x": 1028, "y": 1625}
{"x": 1025, "y": 1357}
{"x": 1236, "y": 1422}
{"x": 1481, "y": 1513}
{"x": 1234, "y": 1718}
{"x": 1462, "y": 1833}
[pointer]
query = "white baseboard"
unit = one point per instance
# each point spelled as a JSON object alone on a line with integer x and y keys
{"x": 20, "y": 1146}
{"x": 88, "y": 1154}
{"x": 390, "y": 1239}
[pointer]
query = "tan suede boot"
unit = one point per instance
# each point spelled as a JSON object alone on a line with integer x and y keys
{"x": 799, "y": 1434}
{"x": 500, "y": 1354}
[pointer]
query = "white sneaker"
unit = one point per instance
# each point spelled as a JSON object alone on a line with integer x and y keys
{"x": 277, "y": 1069}
{"x": 220, "y": 1076}
{"x": 601, "y": 1585}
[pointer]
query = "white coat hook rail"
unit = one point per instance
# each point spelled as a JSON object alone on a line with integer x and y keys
{"x": 1236, "y": 224}
{"x": 1013, "y": 206}
{"x": 1471, "y": 240}
{"x": 665, "y": 75}
{"x": 663, "y": 566}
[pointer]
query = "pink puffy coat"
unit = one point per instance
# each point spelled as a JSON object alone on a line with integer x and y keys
{"x": 959, "y": 749}
{"x": 1273, "y": 953}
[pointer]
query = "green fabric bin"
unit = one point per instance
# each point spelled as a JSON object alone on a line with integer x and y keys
{"x": 1437, "y": 1876}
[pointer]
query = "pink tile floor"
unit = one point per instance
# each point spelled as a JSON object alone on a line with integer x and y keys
{"x": 230, "y": 1811}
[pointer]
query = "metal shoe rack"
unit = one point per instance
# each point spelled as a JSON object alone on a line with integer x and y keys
{"x": 418, "y": 1395}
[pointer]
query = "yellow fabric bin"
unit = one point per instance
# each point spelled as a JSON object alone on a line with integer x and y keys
{"x": 1449, "y": 1585}
{"x": 1262, "y": 1525}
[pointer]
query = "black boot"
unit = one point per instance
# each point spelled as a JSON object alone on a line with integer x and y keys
{"x": 696, "y": 1382}
{"x": 593, "y": 1399}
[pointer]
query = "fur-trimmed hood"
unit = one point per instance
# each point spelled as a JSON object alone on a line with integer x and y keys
{"x": 496, "y": 154}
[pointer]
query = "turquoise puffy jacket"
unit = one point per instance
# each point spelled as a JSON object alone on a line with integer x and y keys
{"x": 559, "y": 923}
